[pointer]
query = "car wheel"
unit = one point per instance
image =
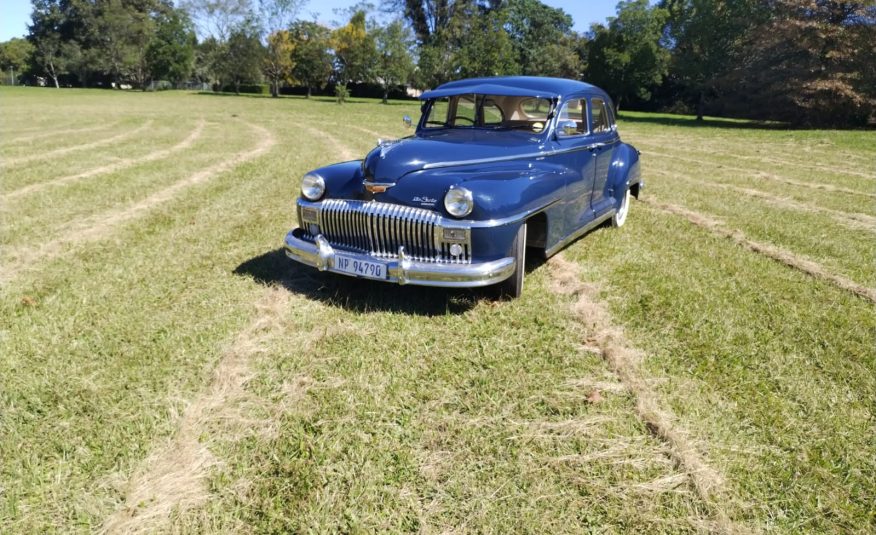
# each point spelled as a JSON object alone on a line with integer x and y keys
{"x": 513, "y": 286}
{"x": 619, "y": 217}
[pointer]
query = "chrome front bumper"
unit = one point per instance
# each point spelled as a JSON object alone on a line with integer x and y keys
{"x": 402, "y": 270}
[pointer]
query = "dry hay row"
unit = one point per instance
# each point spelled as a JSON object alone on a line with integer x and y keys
{"x": 12, "y": 141}
{"x": 98, "y": 226}
{"x": 173, "y": 478}
{"x": 376, "y": 135}
{"x": 781, "y": 255}
{"x": 770, "y": 176}
{"x": 850, "y": 219}
{"x": 78, "y": 148}
{"x": 338, "y": 148}
{"x": 601, "y": 335}
{"x": 661, "y": 143}
{"x": 116, "y": 166}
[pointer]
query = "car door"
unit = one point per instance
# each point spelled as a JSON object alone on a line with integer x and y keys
{"x": 603, "y": 141}
{"x": 572, "y": 141}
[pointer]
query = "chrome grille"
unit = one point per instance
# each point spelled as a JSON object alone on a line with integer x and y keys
{"x": 380, "y": 229}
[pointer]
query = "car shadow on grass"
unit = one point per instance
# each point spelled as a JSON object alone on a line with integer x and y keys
{"x": 361, "y": 295}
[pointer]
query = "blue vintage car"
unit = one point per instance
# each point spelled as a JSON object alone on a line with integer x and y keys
{"x": 495, "y": 166}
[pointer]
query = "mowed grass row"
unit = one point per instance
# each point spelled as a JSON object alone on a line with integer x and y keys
{"x": 404, "y": 409}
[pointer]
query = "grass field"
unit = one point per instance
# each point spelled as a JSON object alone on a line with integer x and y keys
{"x": 709, "y": 367}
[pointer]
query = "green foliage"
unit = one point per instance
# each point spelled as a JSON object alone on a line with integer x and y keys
{"x": 241, "y": 57}
{"x": 249, "y": 89}
{"x": 171, "y": 53}
{"x": 278, "y": 60}
{"x": 341, "y": 93}
{"x": 16, "y": 53}
{"x": 355, "y": 51}
{"x": 311, "y": 56}
{"x": 544, "y": 43}
{"x": 626, "y": 58}
{"x": 394, "y": 64}
{"x": 472, "y": 42}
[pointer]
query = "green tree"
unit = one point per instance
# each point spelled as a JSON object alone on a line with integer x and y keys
{"x": 276, "y": 16}
{"x": 278, "y": 60}
{"x": 354, "y": 51}
{"x": 171, "y": 53}
{"x": 705, "y": 38}
{"x": 49, "y": 34}
{"x": 626, "y": 58}
{"x": 394, "y": 64}
{"x": 311, "y": 55}
{"x": 543, "y": 40}
{"x": 242, "y": 56}
{"x": 218, "y": 18}
{"x": 16, "y": 55}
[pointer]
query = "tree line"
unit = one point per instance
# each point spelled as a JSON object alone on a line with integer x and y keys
{"x": 798, "y": 61}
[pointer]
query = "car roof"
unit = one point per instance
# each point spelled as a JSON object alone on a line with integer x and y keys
{"x": 535, "y": 86}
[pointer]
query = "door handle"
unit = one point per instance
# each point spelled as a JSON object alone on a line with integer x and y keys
{"x": 595, "y": 146}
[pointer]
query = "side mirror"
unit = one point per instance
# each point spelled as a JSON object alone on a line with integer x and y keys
{"x": 567, "y": 128}
{"x": 407, "y": 120}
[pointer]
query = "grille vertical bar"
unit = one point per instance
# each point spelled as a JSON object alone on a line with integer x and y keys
{"x": 381, "y": 228}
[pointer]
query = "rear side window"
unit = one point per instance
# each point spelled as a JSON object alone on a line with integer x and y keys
{"x": 466, "y": 108}
{"x": 536, "y": 108}
{"x": 601, "y": 121}
{"x": 493, "y": 115}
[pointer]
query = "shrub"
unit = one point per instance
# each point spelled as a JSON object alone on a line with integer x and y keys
{"x": 341, "y": 93}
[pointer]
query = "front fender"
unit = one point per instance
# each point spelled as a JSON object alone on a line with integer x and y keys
{"x": 342, "y": 180}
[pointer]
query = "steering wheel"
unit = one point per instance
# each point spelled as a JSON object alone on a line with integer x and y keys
{"x": 458, "y": 117}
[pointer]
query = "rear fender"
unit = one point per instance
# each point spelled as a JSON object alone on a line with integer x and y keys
{"x": 624, "y": 173}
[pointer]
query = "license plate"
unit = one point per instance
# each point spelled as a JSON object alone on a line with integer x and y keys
{"x": 360, "y": 268}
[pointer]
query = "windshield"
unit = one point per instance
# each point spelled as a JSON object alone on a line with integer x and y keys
{"x": 494, "y": 112}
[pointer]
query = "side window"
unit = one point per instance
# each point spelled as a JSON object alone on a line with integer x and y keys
{"x": 574, "y": 110}
{"x": 536, "y": 108}
{"x": 438, "y": 113}
{"x": 601, "y": 122}
{"x": 465, "y": 111}
{"x": 493, "y": 115}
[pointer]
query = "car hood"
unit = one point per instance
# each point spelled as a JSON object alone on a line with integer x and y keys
{"x": 392, "y": 160}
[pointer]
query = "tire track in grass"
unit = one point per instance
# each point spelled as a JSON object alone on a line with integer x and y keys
{"x": 98, "y": 226}
{"x": 337, "y": 146}
{"x": 376, "y": 135}
{"x": 78, "y": 148}
{"x": 850, "y": 219}
{"x": 173, "y": 478}
{"x": 776, "y": 253}
{"x": 26, "y": 139}
{"x": 117, "y": 166}
{"x": 769, "y": 176}
{"x": 603, "y": 336}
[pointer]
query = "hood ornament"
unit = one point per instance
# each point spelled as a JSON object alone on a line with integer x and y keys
{"x": 377, "y": 187}
{"x": 385, "y": 145}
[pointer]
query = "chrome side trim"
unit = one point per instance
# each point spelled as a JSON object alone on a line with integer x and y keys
{"x": 532, "y": 155}
{"x": 580, "y": 232}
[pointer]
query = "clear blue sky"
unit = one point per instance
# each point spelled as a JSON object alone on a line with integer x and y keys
{"x": 15, "y": 14}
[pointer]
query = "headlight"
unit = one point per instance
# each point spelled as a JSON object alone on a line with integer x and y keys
{"x": 312, "y": 187}
{"x": 459, "y": 202}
